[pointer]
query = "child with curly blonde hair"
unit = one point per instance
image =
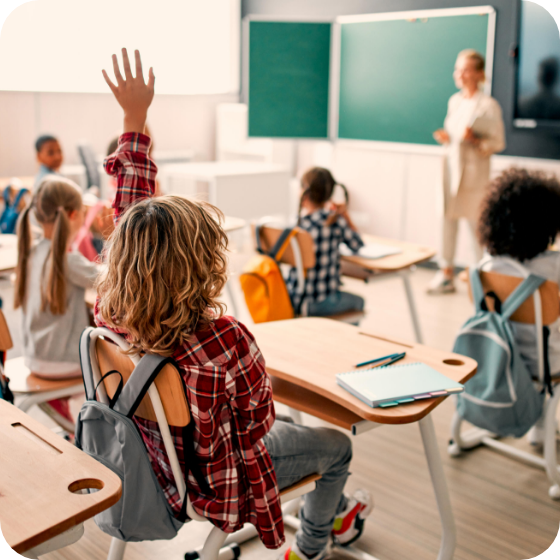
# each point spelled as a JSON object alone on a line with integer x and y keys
{"x": 166, "y": 268}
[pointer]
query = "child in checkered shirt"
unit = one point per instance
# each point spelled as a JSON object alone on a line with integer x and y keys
{"x": 166, "y": 268}
{"x": 330, "y": 225}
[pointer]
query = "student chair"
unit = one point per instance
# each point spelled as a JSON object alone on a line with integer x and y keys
{"x": 87, "y": 156}
{"x": 166, "y": 404}
{"x": 542, "y": 309}
{"x": 35, "y": 390}
{"x": 301, "y": 255}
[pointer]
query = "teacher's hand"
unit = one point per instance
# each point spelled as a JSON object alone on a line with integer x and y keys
{"x": 471, "y": 137}
{"x": 441, "y": 136}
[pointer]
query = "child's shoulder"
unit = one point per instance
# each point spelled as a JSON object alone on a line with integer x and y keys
{"x": 216, "y": 343}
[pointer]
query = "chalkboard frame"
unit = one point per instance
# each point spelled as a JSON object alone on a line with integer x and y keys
{"x": 395, "y": 16}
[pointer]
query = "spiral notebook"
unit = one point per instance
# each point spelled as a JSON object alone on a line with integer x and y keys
{"x": 386, "y": 386}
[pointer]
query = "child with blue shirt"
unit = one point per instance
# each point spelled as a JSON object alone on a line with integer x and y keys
{"x": 49, "y": 155}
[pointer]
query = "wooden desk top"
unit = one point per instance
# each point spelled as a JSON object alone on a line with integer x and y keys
{"x": 308, "y": 353}
{"x": 40, "y": 474}
{"x": 412, "y": 254}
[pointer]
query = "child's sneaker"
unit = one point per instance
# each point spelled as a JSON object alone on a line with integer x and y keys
{"x": 294, "y": 553}
{"x": 349, "y": 524}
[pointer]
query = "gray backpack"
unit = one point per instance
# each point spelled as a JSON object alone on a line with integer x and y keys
{"x": 501, "y": 397}
{"x": 108, "y": 433}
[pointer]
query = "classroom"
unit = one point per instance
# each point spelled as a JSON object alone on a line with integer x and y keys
{"x": 280, "y": 279}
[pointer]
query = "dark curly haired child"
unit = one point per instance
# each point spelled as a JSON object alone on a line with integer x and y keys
{"x": 519, "y": 222}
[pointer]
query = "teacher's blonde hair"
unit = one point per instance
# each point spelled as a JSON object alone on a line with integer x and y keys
{"x": 471, "y": 54}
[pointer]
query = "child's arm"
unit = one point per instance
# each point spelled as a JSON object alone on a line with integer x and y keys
{"x": 350, "y": 236}
{"x": 130, "y": 164}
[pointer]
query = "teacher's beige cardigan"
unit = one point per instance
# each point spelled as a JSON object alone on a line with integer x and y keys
{"x": 467, "y": 168}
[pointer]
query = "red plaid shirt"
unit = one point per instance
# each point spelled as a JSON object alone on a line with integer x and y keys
{"x": 228, "y": 390}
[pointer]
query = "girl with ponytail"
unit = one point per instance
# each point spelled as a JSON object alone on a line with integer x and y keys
{"x": 51, "y": 281}
{"x": 330, "y": 225}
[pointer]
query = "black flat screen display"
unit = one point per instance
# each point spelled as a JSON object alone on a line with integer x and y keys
{"x": 538, "y": 79}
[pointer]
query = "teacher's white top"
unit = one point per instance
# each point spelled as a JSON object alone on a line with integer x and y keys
{"x": 468, "y": 167}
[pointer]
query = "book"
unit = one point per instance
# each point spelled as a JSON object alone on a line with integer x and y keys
{"x": 370, "y": 251}
{"x": 385, "y": 386}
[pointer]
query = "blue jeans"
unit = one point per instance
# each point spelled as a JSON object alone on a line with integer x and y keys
{"x": 298, "y": 451}
{"x": 339, "y": 302}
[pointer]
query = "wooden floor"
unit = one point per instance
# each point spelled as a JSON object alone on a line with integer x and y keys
{"x": 502, "y": 508}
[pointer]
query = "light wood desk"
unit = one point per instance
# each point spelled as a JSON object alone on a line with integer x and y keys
{"x": 303, "y": 357}
{"x": 401, "y": 264}
{"x": 39, "y": 487}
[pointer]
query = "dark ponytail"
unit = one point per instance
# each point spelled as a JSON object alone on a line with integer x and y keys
{"x": 319, "y": 184}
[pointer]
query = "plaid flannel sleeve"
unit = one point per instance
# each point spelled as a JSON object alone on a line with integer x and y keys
{"x": 250, "y": 390}
{"x": 350, "y": 237}
{"x": 134, "y": 170}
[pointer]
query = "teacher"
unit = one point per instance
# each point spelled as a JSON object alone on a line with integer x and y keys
{"x": 473, "y": 131}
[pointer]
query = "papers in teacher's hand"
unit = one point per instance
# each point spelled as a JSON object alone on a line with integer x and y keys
{"x": 370, "y": 251}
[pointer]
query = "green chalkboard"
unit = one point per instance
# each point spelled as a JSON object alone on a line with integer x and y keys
{"x": 289, "y": 79}
{"x": 396, "y": 77}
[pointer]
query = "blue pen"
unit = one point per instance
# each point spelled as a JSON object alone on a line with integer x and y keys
{"x": 383, "y": 358}
{"x": 395, "y": 359}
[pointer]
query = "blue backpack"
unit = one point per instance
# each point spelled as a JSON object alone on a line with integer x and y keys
{"x": 9, "y": 217}
{"x": 501, "y": 397}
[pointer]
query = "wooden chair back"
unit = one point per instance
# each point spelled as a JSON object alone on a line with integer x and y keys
{"x": 269, "y": 235}
{"x": 168, "y": 383}
{"x": 5, "y": 337}
{"x": 503, "y": 285}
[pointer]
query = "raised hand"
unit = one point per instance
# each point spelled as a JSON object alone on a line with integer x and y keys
{"x": 131, "y": 92}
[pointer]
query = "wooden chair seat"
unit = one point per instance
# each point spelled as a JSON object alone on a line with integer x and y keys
{"x": 23, "y": 381}
{"x": 304, "y": 486}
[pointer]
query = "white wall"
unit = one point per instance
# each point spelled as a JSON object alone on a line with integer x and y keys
{"x": 177, "y": 122}
{"x": 396, "y": 189}
{"x": 399, "y": 192}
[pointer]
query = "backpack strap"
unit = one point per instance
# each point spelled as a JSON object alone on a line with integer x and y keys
{"x": 281, "y": 244}
{"x": 520, "y": 294}
{"x": 139, "y": 382}
{"x": 20, "y": 195}
{"x": 6, "y": 195}
{"x": 477, "y": 291}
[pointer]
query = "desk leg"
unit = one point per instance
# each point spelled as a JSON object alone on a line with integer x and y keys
{"x": 405, "y": 275}
{"x": 449, "y": 537}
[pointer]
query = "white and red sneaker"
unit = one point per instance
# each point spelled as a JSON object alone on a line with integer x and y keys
{"x": 294, "y": 553}
{"x": 349, "y": 524}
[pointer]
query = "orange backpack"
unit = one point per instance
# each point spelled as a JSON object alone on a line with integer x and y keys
{"x": 262, "y": 283}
